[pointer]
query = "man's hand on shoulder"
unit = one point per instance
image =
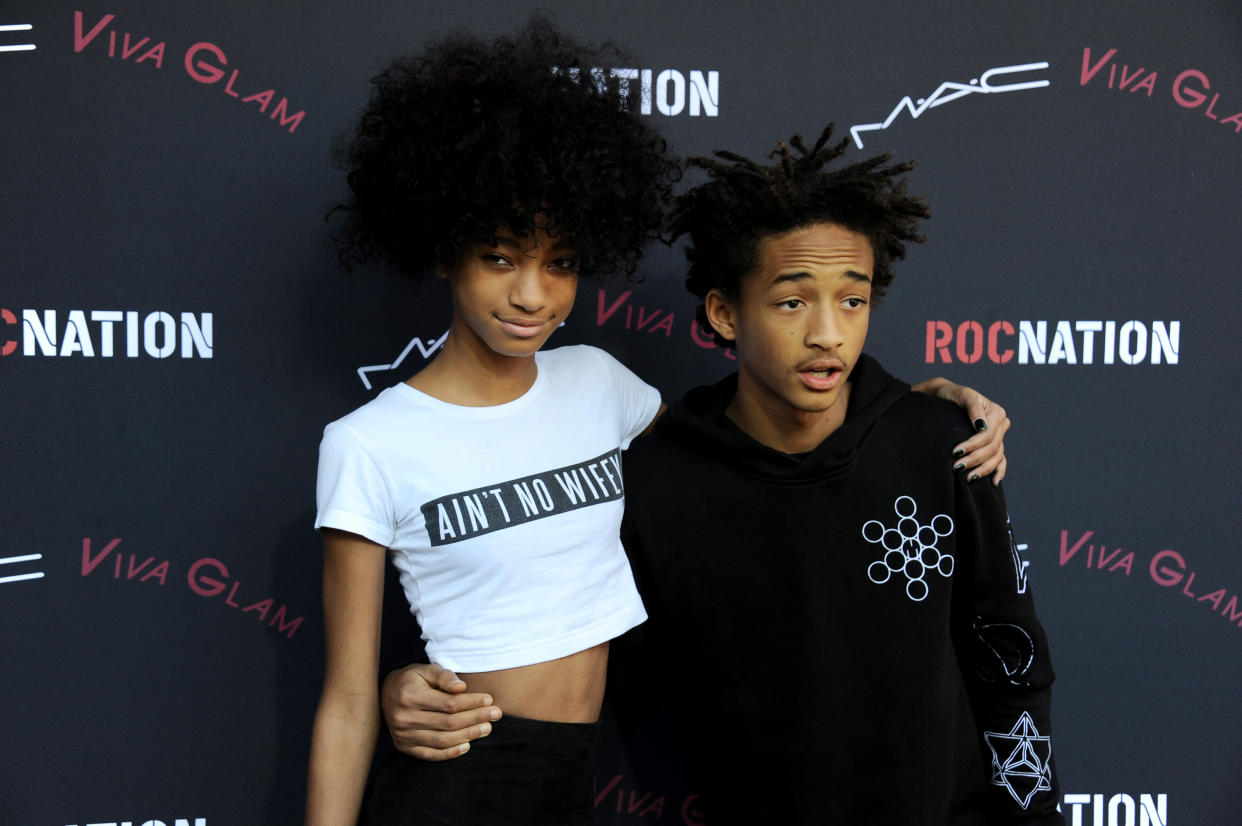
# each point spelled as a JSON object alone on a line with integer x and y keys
{"x": 429, "y": 713}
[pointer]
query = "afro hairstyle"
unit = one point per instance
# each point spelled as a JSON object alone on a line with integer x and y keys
{"x": 743, "y": 202}
{"x": 526, "y": 132}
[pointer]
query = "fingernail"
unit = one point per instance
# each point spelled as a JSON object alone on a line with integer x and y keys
{"x": 959, "y": 453}
{"x": 958, "y": 466}
{"x": 485, "y": 729}
{"x": 487, "y": 700}
{"x": 972, "y": 477}
{"x": 494, "y": 714}
{"x": 463, "y": 748}
{"x": 981, "y": 424}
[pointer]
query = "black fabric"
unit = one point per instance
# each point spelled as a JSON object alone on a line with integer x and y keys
{"x": 856, "y": 701}
{"x": 525, "y": 773}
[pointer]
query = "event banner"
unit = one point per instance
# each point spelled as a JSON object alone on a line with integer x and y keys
{"x": 176, "y": 329}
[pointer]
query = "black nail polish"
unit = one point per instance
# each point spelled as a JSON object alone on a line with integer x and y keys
{"x": 972, "y": 477}
{"x": 959, "y": 466}
{"x": 981, "y": 424}
{"x": 959, "y": 453}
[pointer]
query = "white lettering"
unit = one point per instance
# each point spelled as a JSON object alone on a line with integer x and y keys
{"x": 704, "y": 93}
{"x": 34, "y": 332}
{"x": 106, "y": 319}
{"x": 678, "y": 82}
{"x": 1032, "y": 341}
{"x": 196, "y": 335}
{"x": 150, "y": 335}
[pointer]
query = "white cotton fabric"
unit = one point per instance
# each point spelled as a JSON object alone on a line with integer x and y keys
{"x": 523, "y": 562}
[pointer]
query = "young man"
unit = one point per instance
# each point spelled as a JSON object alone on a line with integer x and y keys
{"x": 798, "y": 519}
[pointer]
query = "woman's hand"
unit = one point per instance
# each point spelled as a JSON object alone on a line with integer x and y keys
{"x": 984, "y": 452}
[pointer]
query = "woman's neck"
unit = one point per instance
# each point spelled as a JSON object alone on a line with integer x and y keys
{"x": 469, "y": 373}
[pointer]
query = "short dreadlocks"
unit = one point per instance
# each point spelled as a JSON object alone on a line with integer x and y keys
{"x": 744, "y": 202}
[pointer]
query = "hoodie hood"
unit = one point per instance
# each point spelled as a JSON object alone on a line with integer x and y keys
{"x": 700, "y": 416}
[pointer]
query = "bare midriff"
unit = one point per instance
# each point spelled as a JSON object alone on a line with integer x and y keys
{"x": 567, "y": 690}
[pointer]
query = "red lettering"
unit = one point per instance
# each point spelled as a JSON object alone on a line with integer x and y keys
{"x": 11, "y": 344}
{"x": 1215, "y": 597}
{"x": 939, "y": 335}
{"x": 90, "y": 563}
{"x": 264, "y": 98}
{"x": 616, "y": 781}
{"x": 995, "y": 354}
{"x": 666, "y": 324}
{"x": 262, "y": 606}
{"x": 1162, "y": 574}
{"x": 690, "y": 814}
{"x": 1126, "y": 80}
{"x": 644, "y": 319}
{"x": 1088, "y": 70}
{"x": 1190, "y": 98}
{"x": 278, "y": 622}
{"x": 1068, "y": 553}
{"x": 206, "y": 586}
{"x": 134, "y": 572}
{"x": 229, "y": 88}
{"x": 634, "y": 804}
{"x": 1236, "y": 120}
{"x": 126, "y": 51}
{"x": 159, "y": 572}
{"x": 201, "y": 70}
{"x": 1186, "y": 588}
{"x": 232, "y": 593}
{"x": 1148, "y": 83}
{"x": 976, "y": 352}
{"x": 81, "y": 41}
{"x": 293, "y": 120}
{"x": 602, "y": 315}
{"x": 1104, "y": 560}
{"x": 155, "y": 53}
{"x": 701, "y": 338}
{"x": 1210, "y": 110}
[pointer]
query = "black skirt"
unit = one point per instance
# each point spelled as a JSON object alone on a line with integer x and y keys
{"x": 524, "y": 772}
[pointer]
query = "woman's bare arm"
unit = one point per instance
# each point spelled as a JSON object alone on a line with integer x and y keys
{"x": 347, "y": 721}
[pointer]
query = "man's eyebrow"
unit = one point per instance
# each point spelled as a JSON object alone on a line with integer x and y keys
{"x": 790, "y": 276}
{"x": 802, "y": 276}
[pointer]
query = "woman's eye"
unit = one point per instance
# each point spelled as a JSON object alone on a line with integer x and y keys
{"x": 567, "y": 264}
{"x": 493, "y": 259}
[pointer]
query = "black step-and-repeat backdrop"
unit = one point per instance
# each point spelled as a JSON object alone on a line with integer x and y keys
{"x": 175, "y": 332}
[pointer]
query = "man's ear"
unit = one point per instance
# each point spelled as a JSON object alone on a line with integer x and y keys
{"x": 720, "y": 313}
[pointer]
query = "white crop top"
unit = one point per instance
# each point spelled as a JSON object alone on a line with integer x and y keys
{"x": 502, "y": 521}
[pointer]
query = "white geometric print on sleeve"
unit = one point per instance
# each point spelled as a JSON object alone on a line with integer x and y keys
{"x": 1020, "y": 565}
{"x": 910, "y": 548}
{"x": 1021, "y": 760}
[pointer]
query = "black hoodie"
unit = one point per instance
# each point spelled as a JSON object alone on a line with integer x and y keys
{"x": 850, "y": 629}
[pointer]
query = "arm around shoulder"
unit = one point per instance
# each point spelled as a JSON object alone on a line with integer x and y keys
{"x": 347, "y": 720}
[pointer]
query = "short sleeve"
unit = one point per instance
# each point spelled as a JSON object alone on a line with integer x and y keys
{"x": 350, "y": 492}
{"x": 639, "y": 402}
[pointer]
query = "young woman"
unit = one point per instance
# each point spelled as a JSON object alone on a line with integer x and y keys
{"x": 491, "y": 477}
